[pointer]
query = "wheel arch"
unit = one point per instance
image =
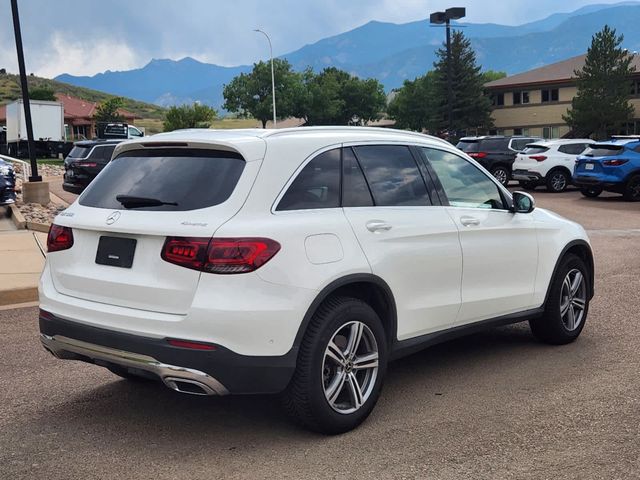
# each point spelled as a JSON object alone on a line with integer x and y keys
{"x": 562, "y": 168}
{"x": 582, "y": 249}
{"x": 364, "y": 286}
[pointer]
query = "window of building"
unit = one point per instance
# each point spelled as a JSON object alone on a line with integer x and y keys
{"x": 392, "y": 175}
{"x": 550, "y": 132}
{"x": 550, "y": 95}
{"x": 497, "y": 99}
{"x": 521, "y": 131}
{"x": 520, "y": 98}
{"x": 635, "y": 88}
{"x": 316, "y": 186}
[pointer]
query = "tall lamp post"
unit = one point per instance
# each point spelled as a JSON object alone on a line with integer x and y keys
{"x": 438, "y": 18}
{"x": 273, "y": 78}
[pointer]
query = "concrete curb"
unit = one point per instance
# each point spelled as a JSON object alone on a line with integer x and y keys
{"x": 18, "y": 296}
{"x": 38, "y": 227}
{"x": 17, "y": 218}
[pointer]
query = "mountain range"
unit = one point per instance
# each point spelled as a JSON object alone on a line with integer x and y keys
{"x": 389, "y": 52}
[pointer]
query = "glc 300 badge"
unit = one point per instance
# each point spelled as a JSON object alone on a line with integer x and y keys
{"x": 113, "y": 218}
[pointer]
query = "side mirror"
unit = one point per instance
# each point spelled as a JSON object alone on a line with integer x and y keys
{"x": 523, "y": 203}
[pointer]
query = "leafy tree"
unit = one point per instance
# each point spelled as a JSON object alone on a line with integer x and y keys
{"x": 42, "y": 93}
{"x": 250, "y": 94}
{"x": 189, "y": 116}
{"x": 601, "y": 105}
{"x": 333, "y": 97}
{"x": 491, "y": 75}
{"x": 107, "y": 111}
{"x": 414, "y": 104}
{"x": 471, "y": 109}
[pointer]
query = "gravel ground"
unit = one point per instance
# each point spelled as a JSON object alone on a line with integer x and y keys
{"x": 495, "y": 405}
{"x": 34, "y": 212}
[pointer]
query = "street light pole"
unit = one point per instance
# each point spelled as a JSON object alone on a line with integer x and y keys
{"x": 25, "y": 94}
{"x": 273, "y": 78}
{"x": 438, "y": 18}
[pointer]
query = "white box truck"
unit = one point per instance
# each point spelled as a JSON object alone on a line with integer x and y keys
{"x": 47, "y": 119}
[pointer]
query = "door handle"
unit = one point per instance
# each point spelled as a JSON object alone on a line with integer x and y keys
{"x": 377, "y": 226}
{"x": 469, "y": 221}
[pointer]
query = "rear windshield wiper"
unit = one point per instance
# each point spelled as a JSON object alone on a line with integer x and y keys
{"x": 129, "y": 201}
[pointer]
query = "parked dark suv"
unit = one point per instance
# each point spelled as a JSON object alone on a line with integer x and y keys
{"x": 85, "y": 161}
{"x": 495, "y": 153}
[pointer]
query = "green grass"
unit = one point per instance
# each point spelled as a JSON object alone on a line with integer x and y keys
{"x": 225, "y": 123}
{"x": 49, "y": 161}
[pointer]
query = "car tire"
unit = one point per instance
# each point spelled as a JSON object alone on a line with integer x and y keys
{"x": 501, "y": 174}
{"x": 530, "y": 186}
{"x": 557, "y": 181}
{"x": 591, "y": 192}
{"x": 632, "y": 189}
{"x": 321, "y": 395}
{"x": 567, "y": 306}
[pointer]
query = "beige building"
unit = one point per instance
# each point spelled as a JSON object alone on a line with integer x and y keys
{"x": 533, "y": 102}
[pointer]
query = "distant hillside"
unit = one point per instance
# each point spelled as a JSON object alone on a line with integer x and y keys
{"x": 389, "y": 52}
{"x": 10, "y": 90}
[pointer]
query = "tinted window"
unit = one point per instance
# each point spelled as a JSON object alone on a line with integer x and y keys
{"x": 494, "y": 144}
{"x": 572, "y": 149}
{"x": 355, "y": 192}
{"x": 190, "y": 178}
{"x": 534, "y": 149}
{"x": 102, "y": 153}
{"x": 520, "y": 143}
{"x": 393, "y": 175}
{"x": 464, "y": 184}
{"x": 79, "y": 152}
{"x": 468, "y": 145}
{"x": 316, "y": 186}
{"x": 604, "y": 150}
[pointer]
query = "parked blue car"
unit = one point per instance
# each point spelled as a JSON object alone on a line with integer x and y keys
{"x": 7, "y": 183}
{"x": 612, "y": 166}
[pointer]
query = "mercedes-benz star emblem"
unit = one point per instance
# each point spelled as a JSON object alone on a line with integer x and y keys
{"x": 113, "y": 218}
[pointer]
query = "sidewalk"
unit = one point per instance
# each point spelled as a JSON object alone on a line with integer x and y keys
{"x": 21, "y": 261}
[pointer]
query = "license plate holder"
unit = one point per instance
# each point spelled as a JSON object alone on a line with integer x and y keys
{"x": 116, "y": 251}
{"x": 588, "y": 166}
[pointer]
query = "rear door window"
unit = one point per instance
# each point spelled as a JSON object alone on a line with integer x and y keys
{"x": 181, "y": 179}
{"x": 79, "y": 152}
{"x": 316, "y": 186}
{"x": 392, "y": 175}
{"x": 355, "y": 191}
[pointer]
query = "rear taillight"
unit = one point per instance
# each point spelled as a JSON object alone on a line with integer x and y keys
{"x": 477, "y": 154}
{"x": 538, "y": 158}
{"x": 85, "y": 164}
{"x": 59, "y": 238}
{"x": 219, "y": 255}
{"x": 614, "y": 163}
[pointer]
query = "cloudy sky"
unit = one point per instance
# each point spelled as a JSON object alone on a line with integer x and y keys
{"x": 84, "y": 37}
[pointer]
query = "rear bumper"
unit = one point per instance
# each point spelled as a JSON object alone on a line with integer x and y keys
{"x": 593, "y": 181}
{"x": 73, "y": 187}
{"x": 214, "y": 372}
{"x": 526, "y": 176}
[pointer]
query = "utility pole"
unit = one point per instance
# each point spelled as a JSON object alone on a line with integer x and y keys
{"x": 25, "y": 94}
{"x": 438, "y": 18}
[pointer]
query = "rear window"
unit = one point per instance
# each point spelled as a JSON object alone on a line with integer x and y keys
{"x": 572, "y": 148}
{"x": 468, "y": 145}
{"x": 79, "y": 152}
{"x": 186, "y": 179}
{"x": 103, "y": 152}
{"x": 604, "y": 150}
{"x": 534, "y": 149}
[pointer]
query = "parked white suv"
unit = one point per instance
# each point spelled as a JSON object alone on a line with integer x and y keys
{"x": 299, "y": 260}
{"x": 548, "y": 162}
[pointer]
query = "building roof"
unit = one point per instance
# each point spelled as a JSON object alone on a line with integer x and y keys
{"x": 555, "y": 73}
{"x": 75, "y": 108}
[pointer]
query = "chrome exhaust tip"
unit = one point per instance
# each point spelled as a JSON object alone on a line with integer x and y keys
{"x": 191, "y": 387}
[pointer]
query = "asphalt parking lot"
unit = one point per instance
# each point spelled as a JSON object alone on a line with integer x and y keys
{"x": 493, "y": 405}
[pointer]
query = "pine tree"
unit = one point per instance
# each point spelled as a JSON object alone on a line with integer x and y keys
{"x": 471, "y": 107}
{"x": 601, "y": 106}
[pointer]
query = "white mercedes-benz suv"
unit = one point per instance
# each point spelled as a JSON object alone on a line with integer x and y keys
{"x": 299, "y": 261}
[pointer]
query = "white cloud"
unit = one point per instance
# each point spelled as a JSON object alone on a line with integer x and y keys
{"x": 82, "y": 57}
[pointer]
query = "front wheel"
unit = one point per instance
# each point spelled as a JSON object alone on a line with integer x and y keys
{"x": 340, "y": 368}
{"x": 567, "y": 306}
{"x": 501, "y": 174}
{"x": 591, "y": 192}
{"x": 632, "y": 189}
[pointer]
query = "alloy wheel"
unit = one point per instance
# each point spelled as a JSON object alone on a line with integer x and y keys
{"x": 558, "y": 182}
{"x": 350, "y": 367}
{"x": 573, "y": 299}
{"x": 501, "y": 175}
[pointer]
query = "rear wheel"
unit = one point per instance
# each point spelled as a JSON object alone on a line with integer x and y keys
{"x": 340, "y": 368}
{"x": 632, "y": 189}
{"x": 557, "y": 181}
{"x": 591, "y": 192}
{"x": 501, "y": 174}
{"x": 567, "y": 306}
